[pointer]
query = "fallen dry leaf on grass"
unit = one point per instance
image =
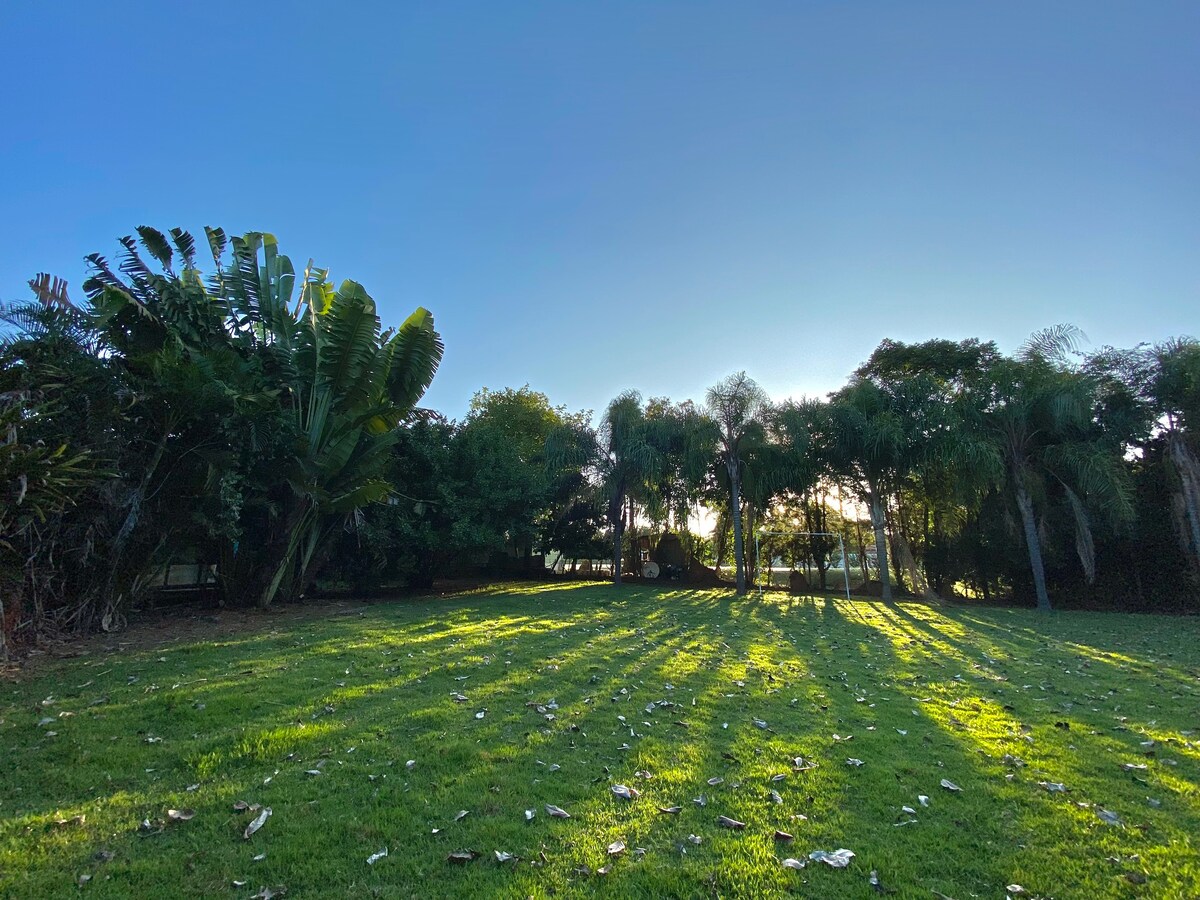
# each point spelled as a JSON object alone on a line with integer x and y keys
{"x": 259, "y": 821}
{"x": 616, "y": 848}
{"x": 625, "y": 793}
{"x": 180, "y": 815}
{"x": 462, "y": 856}
{"x": 726, "y": 822}
{"x": 670, "y": 810}
{"x": 1108, "y": 815}
{"x": 791, "y": 863}
{"x": 557, "y": 812}
{"x": 148, "y": 828}
{"x": 949, "y": 785}
{"x": 839, "y": 859}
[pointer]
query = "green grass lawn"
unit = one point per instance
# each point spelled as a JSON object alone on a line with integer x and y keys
{"x": 658, "y": 690}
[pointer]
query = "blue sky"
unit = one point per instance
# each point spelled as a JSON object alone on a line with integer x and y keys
{"x": 597, "y": 196}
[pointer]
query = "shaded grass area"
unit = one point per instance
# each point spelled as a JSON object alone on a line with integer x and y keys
{"x": 664, "y": 683}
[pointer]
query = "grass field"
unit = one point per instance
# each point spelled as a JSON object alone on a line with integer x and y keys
{"x": 658, "y": 690}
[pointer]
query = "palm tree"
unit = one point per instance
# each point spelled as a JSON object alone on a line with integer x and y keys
{"x": 872, "y": 447}
{"x": 1175, "y": 391}
{"x": 686, "y": 440}
{"x": 1038, "y": 418}
{"x": 736, "y": 404}
{"x": 621, "y": 457}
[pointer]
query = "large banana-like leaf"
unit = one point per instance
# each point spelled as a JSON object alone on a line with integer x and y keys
{"x": 156, "y": 243}
{"x": 416, "y": 353}
{"x": 277, "y": 279}
{"x": 244, "y": 281}
{"x": 186, "y": 245}
{"x": 331, "y": 457}
{"x": 316, "y": 298}
{"x": 348, "y": 345}
{"x": 373, "y": 491}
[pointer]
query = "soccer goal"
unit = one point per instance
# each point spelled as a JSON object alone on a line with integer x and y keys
{"x": 841, "y": 547}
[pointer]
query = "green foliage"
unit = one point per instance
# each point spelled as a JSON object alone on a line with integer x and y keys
{"x": 237, "y": 427}
{"x": 465, "y": 491}
{"x": 263, "y": 421}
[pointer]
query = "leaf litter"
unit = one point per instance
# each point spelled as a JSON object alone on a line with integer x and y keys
{"x": 839, "y": 859}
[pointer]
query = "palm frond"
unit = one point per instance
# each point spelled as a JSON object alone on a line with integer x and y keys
{"x": 156, "y": 245}
{"x": 1054, "y": 343}
{"x": 1085, "y": 546}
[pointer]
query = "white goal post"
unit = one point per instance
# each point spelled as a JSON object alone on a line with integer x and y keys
{"x": 841, "y": 546}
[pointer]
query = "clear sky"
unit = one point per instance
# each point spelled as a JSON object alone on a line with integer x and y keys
{"x": 594, "y": 196}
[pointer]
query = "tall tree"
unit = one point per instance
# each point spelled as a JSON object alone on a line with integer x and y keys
{"x": 872, "y": 447}
{"x": 1040, "y": 420}
{"x": 619, "y": 457}
{"x": 736, "y": 404}
{"x": 1175, "y": 388}
{"x": 685, "y": 439}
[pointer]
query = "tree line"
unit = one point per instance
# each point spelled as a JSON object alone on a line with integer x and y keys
{"x": 262, "y": 422}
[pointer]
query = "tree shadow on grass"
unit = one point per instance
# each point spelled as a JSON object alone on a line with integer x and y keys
{"x": 806, "y": 669}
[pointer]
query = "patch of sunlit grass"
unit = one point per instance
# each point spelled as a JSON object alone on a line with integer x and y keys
{"x": 571, "y": 689}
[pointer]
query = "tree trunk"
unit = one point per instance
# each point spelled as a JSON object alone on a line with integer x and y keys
{"x": 1033, "y": 544}
{"x": 862, "y": 553}
{"x": 720, "y": 543}
{"x": 635, "y": 555}
{"x": 735, "y": 502}
{"x": 894, "y": 555}
{"x": 110, "y": 616}
{"x": 618, "y": 533}
{"x": 324, "y": 552}
{"x": 881, "y": 553}
{"x": 1189, "y": 476}
{"x": 752, "y": 561}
